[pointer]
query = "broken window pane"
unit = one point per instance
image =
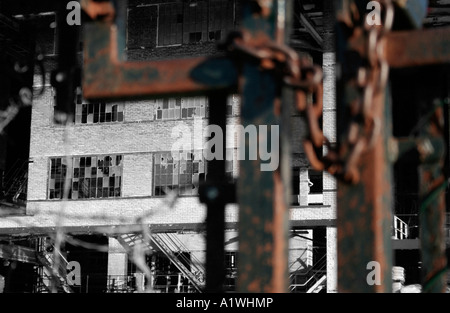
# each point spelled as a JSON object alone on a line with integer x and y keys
{"x": 182, "y": 174}
{"x": 83, "y": 179}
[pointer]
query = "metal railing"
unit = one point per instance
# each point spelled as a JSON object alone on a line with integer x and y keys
{"x": 400, "y": 229}
{"x": 304, "y": 279}
{"x": 51, "y": 277}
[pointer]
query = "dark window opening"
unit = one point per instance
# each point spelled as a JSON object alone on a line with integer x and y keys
{"x": 316, "y": 179}
{"x": 195, "y": 37}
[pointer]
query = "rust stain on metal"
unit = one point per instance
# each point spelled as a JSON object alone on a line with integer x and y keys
{"x": 256, "y": 220}
{"x": 419, "y": 47}
{"x": 106, "y": 76}
{"x": 280, "y": 244}
{"x": 255, "y": 286}
{"x": 378, "y": 194}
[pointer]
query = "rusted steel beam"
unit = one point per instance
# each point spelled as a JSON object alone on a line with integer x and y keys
{"x": 364, "y": 218}
{"x": 363, "y": 207}
{"x": 263, "y": 205}
{"x": 433, "y": 184}
{"x": 418, "y": 47}
{"x": 105, "y": 76}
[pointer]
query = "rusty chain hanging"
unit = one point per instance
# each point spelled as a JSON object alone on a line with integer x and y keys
{"x": 371, "y": 79}
{"x": 307, "y": 79}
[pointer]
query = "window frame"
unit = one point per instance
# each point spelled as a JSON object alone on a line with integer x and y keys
{"x": 178, "y": 186}
{"x": 78, "y": 174}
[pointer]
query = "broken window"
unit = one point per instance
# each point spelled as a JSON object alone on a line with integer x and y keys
{"x": 181, "y": 172}
{"x": 87, "y": 176}
{"x": 233, "y": 105}
{"x": 170, "y": 24}
{"x": 193, "y": 22}
{"x": 221, "y": 16}
{"x": 98, "y": 112}
{"x": 142, "y": 27}
{"x": 192, "y": 107}
{"x": 181, "y": 108}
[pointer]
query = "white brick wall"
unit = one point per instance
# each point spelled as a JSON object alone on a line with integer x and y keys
{"x": 332, "y": 260}
{"x": 138, "y": 111}
{"x": 313, "y": 213}
{"x": 117, "y": 258}
{"x": 106, "y": 212}
{"x": 137, "y": 175}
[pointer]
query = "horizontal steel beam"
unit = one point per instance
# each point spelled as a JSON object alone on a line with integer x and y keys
{"x": 105, "y": 76}
{"x": 23, "y": 232}
{"x": 416, "y": 48}
{"x": 106, "y": 229}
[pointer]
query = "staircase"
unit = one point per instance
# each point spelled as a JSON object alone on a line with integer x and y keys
{"x": 15, "y": 185}
{"x": 310, "y": 280}
{"x": 399, "y": 229}
{"x": 318, "y": 286}
{"x": 171, "y": 246}
{"x": 47, "y": 274}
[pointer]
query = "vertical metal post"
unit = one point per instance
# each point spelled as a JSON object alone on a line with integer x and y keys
{"x": 432, "y": 208}
{"x": 263, "y": 210}
{"x": 216, "y": 201}
{"x": 363, "y": 209}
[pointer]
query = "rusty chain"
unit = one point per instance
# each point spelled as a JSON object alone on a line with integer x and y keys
{"x": 371, "y": 79}
{"x": 307, "y": 79}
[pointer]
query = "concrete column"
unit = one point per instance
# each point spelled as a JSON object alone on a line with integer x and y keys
{"x": 304, "y": 186}
{"x": 329, "y": 182}
{"x": 329, "y": 128}
{"x": 331, "y": 259}
{"x": 117, "y": 258}
{"x": 329, "y": 122}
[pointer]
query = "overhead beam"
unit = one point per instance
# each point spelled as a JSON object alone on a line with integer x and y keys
{"x": 307, "y": 23}
{"x": 106, "y": 76}
{"x": 416, "y": 48}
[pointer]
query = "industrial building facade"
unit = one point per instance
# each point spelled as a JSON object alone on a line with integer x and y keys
{"x": 116, "y": 166}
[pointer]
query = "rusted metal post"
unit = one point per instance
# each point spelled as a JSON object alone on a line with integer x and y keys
{"x": 432, "y": 207}
{"x": 364, "y": 208}
{"x": 263, "y": 210}
{"x": 417, "y": 47}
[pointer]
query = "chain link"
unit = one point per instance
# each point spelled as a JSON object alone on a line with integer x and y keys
{"x": 307, "y": 79}
{"x": 364, "y": 128}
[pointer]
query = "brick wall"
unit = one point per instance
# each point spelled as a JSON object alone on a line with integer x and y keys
{"x": 117, "y": 258}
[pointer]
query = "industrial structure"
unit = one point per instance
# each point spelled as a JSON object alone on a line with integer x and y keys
{"x": 94, "y": 199}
